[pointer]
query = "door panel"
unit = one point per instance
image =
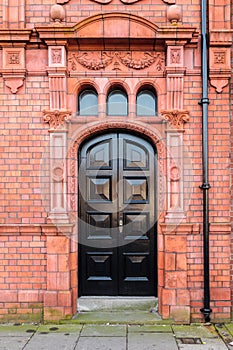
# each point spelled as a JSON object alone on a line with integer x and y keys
{"x": 117, "y": 210}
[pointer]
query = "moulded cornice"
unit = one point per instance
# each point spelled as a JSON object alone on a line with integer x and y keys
{"x": 117, "y": 26}
{"x": 221, "y": 37}
{"x": 16, "y": 35}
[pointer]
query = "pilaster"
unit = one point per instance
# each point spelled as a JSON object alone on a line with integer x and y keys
{"x": 58, "y": 116}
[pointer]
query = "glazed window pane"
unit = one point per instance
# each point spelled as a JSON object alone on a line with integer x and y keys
{"x": 88, "y": 103}
{"x": 146, "y": 103}
{"x": 117, "y": 103}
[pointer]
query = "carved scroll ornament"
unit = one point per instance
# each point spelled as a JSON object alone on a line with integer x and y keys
{"x": 176, "y": 118}
{"x": 56, "y": 118}
{"x": 131, "y": 60}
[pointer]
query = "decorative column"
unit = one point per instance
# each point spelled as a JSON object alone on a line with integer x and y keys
{"x": 176, "y": 117}
{"x": 58, "y": 116}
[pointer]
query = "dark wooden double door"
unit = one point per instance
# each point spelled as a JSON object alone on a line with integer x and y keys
{"x": 117, "y": 231}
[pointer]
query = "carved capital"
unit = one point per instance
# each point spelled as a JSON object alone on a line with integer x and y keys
{"x": 56, "y": 118}
{"x": 176, "y": 118}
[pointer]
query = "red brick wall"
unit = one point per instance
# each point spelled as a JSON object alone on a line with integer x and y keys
{"x": 29, "y": 266}
{"x": 23, "y": 274}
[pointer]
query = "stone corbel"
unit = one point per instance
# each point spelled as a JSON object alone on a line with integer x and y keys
{"x": 220, "y": 58}
{"x": 14, "y": 70}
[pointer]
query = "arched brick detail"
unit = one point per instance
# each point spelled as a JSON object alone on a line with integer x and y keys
{"x": 82, "y": 84}
{"x": 116, "y": 82}
{"x": 158, "y": 88}
{"x": 152, "y": 134}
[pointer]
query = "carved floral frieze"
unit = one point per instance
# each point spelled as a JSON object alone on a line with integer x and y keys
{"x": 105, "y": 2}
{"x": 176, "y": 118}
{"x": 116, "y": 60}
{"x": 56, "y": 118}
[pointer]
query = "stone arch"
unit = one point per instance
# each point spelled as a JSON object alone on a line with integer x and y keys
{"x": 82, "y": 134}
{"x": 116, "y": 25}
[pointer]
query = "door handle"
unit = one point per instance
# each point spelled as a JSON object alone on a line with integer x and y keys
{"x": 120, "y": 225}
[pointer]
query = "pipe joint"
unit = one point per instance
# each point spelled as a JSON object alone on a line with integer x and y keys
{"x": 205, "y": 186}
{"x": 203, "y": 101}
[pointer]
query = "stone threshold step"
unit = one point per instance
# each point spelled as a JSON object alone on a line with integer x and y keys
{"x": 86, "y": 304}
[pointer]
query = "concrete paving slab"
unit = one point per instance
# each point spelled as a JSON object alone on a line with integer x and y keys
{"x": 13, "y": 342}
{"x": 101, "y": 343}
{"x": 226, "y": 333}
{"x": 152, "y": 341}
{"x": 103, "y": 331}
{"x": 61, "y": 328}
{"x": 127, "y": 317}
{"x": 50, "y": 341}
{"x": 229, "y": 328}
{"x": 208, "y": 344}
{"x": 199, "y": 331}
{"x": 149, "y": 329}
{"x": 20, "y": 330}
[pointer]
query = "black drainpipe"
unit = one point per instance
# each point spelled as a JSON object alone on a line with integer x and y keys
{"x": 205, "y": 185}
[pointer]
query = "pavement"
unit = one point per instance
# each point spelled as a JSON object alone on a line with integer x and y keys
{"x": 107, "y": 336}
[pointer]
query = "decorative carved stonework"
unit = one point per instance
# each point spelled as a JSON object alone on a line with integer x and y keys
{"x": 219, "y": 82}
{"x": 13, "y": 83}
{"x": 176, "y": 118}
{"x": 175, "y": 56}
{"x": 13, "y": 64}
{"x": 104, "y": 2}
{"x": 56, "y": 118}
{"x": 116, "y": 60}
{"x": 13, "y": 58}
{"x": 57, "y": 56}
{"x": 219, "y": 58}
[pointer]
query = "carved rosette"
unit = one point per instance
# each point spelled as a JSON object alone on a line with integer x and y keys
{"x": 57, "y": 118}
{"x": 176, "y": 118}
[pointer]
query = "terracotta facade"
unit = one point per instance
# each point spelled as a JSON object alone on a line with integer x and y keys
{"x": 48, "y": 55}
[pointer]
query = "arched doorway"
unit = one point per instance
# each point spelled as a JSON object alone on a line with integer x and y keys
{"x": 117, "y": 225}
